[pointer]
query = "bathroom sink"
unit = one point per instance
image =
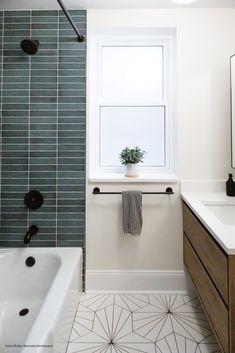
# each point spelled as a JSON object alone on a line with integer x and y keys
{"x": 225, "y": 212}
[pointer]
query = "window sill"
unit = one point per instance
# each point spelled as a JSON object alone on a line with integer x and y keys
{"x": 142, "y": 178}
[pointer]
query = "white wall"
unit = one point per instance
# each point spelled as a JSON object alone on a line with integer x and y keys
{"x": 205, "y": 41}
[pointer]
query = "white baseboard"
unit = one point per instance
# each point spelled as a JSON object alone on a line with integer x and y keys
{"x": 137, "y": 281}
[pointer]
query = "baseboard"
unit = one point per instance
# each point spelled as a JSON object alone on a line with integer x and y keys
{"x": 137, "y": 281}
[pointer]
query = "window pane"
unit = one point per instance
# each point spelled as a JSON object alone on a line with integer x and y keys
{"x": 132, "y": 126}
{"x": 132, "y": 74}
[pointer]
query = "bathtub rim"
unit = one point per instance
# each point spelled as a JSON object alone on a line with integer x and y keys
{"x": 47, "y": 318}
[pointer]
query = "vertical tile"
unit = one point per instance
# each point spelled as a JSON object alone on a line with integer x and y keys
{"x": 14, "y": 131}
{"x": 71, "y": 132}
{"x": 43, "y": 128}
{"x": 42, "y": 115}
{"x": 1, "y": 87}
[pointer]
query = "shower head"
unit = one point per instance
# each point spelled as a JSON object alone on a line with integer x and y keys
{"x": 29, "y": 46}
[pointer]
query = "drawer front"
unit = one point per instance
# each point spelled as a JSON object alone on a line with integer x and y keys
{"x": 212, "y": 257}
{"x": 215, "y": 308}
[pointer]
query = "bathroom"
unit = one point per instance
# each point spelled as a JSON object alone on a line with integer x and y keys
{"x": 79, "y": 82}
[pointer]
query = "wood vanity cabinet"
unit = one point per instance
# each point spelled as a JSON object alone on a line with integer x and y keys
{"x": 213, "y": 274}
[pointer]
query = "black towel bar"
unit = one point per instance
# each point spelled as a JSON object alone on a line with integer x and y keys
{"x": 169, "y": 191}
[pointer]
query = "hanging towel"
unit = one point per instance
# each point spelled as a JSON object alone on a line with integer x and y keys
{"x": 132, "y": 212}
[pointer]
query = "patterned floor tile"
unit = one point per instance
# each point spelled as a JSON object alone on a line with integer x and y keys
{"x": 123, "y": 323}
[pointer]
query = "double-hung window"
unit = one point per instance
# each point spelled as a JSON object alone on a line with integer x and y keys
{"x": 131, "y": 80}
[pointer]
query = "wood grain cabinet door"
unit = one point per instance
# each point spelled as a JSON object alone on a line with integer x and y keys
{"x": 212, "y": 256}
{"x": 212, "y": 302}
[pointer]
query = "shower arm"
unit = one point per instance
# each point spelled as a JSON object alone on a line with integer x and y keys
{"x": 81, "y": 38}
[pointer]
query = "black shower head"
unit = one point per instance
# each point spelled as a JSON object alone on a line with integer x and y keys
{"x": 29, "y": 46}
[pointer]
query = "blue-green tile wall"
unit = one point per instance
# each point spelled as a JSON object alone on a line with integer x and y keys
{"x": 42, "y": 101}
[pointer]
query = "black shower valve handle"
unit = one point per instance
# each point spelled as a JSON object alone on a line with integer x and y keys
{"x": 33, "y": 200}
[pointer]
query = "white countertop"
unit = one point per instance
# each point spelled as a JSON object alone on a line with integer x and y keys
{"x": 224, "y": 234}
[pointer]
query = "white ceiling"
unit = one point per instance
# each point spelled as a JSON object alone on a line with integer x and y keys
{"x": 111, "y": 4}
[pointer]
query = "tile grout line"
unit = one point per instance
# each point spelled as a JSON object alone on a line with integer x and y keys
{"x": 57, "y": 126}
{"x": 1, "y": 152}
{"x": 63, "y": 56}
{"x": 85, "y": 153}
{"x": 29, "y": 132}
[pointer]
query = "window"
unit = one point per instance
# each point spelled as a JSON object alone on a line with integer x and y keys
{"x": 131, "y": 102}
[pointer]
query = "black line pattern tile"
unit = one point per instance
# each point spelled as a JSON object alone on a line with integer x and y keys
{"x": 42, "y": 117}
{"x": 141, "y": 323}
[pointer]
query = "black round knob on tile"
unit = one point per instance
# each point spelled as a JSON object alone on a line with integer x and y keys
{"x": 33, "y": 200}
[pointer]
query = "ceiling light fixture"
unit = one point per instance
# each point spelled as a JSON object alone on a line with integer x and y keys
{"x": 183, "y": 1}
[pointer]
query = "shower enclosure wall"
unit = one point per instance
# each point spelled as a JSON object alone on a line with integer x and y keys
{"x": 42, "y": 116}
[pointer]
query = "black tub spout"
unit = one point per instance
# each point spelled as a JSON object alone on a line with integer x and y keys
{"x": 31, "y": 231}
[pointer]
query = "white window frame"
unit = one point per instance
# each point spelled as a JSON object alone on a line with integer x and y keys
{"x": 96, "y": 172}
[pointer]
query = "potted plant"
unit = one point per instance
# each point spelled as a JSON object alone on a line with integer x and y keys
{"x": 131, "y": 157}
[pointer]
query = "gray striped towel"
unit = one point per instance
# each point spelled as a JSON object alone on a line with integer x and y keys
{"x": 132, "y": 212}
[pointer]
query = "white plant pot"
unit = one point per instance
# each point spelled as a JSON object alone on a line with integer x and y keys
{"x": 132, "y": 170}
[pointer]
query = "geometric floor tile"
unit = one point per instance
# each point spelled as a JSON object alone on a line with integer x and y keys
{"x": 141, "y": 323}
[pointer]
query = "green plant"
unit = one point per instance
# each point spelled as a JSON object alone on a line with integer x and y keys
{"x": 131, "y": 155}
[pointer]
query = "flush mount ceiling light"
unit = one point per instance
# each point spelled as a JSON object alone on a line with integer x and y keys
{"x": 183, "y": 1}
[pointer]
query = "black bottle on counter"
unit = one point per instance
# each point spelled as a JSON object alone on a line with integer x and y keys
{"x": 230, "y": 186}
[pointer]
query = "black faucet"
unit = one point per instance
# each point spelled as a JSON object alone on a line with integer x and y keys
{"x": 31, "y": 231}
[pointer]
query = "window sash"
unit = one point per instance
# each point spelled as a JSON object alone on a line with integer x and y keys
{"x": 117, "y": 167}
{"x": 143, "y": 99}
{"x": 97, "y": 100}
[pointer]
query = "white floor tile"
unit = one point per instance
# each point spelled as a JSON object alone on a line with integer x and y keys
{"x": 141, "y": 323}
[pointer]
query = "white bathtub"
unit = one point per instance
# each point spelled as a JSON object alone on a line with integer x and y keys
{"x": 50, "y": 290}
